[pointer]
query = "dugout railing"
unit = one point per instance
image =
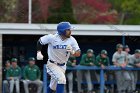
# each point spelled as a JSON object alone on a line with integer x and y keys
{"x": 79, "y": 67}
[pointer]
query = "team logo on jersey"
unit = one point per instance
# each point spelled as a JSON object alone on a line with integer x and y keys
{"x": 59, "y": 47}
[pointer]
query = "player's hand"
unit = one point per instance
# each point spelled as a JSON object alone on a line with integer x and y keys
{"x": 138, "y": 65}
{"x": 69, "y": 49}
{"x": 11, "y": 78}
{"x": 91, "y": 63}
{"x": 102, "y": 66}
{"x": 39, "y": 55}
{"x": 73, "y": 64}
{"x": 123, "y": 65}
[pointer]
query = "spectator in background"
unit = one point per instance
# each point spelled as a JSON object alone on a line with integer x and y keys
{"x": 135, "y": 62}
{"x": 128, "y": 82}
{"x": 69, "y": 74}
{"x": 87, "y": 59}
{"x": 32, "y": 74}
{"x": 5, "y": 81}
{"x": 120, "y": 60}
{"x": 14, "y": 75}
{"x": 102, "y": 60}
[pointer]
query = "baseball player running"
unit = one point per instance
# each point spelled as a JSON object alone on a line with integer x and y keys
{"x": 60, "y": 46}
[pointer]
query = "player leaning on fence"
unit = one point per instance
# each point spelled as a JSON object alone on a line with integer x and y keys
{"x": 60, "y": 46}
{"x": 87, "y": 59}
{"x": 120, "y": 60}
{"x": 135, "y": 62}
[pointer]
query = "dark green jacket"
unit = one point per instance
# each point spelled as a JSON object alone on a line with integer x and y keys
{"x": 100, "y": 60}
{"x": 70, "y": 61}
{"x": 31, "y": 73}
{"x": 87, "y": 60}
{"x": 13, "y": 72}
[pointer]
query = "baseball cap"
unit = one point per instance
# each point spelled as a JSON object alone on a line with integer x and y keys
{"x": 126, "y": 46}
{"x": 119, "y": 46}
{"x": 31, "y": 59}
{"x": 7, "y": 61}
{"x": 137, "y": 51}
{"x": 104, "y": 52}
{"x": 90, "y": 51}
{"x": 14, "y": 60}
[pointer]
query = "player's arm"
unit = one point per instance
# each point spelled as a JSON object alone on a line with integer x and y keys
{"x": 114, "y": 60}
{"x": 42, "y": 41}
{"x": 77, "y": 53}
{"x": 39, "y": 48}
{"x": 75, "y": 48}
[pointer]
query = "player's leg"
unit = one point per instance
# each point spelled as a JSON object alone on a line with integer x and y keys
{"x": 52, "y": 86}
{"x": 135, "y": 78}
{"x": 119, "y": 79}
{"x": 70, "y": 80}
{"x": 79, "y": 80}
{"x": 88, "y": 79}
{"x": 26, "y": 83}
{"x": 57, "y": 73}
{"x": 11, "y": 86}
{"x": 6, "y": 86}
{"x": 127, "y": 81}
{"x": 17, "y": 86}
{"x": 132, "y": 80}
{"x": 39, "y": 84}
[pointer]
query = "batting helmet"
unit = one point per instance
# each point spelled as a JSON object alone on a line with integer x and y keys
{"x": 62, "y": 27}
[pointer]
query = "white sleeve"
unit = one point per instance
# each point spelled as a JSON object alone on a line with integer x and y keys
{"x": 114, "y": 59}
{"x": 75, "y": 45}
{"x": 45, "y": 39}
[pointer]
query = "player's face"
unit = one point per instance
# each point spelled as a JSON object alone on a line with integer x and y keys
{"x": 7, "y": 64}
{"x": 137, "y": 55}
{"x": 14, "y": 64}
{"x": 103, "y": 55}
{"x": 89, "y": 54}
{"x": 31, "y": 63}
{"x": 127, "y": 50}
{"x": 120, "y": 49}
{"x": 68, "y": 33}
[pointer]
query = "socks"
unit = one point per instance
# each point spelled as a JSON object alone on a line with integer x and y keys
{"x": 60, "y": 88}
{"x": 49, "y": 90}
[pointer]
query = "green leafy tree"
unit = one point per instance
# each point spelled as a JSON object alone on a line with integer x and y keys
{"x": 8, "y": 8}
{"x": 61, "y": 10}
{"x": 129, "y": 11}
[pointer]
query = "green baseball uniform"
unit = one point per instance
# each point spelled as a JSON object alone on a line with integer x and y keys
{"x": 32, "y": 73}
{"x": 100, "y": 60}
{"x": 87, "y": 60}
{"x": 14, "y": 72}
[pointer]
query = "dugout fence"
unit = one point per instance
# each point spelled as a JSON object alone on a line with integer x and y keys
{"x": 102, "y": 79}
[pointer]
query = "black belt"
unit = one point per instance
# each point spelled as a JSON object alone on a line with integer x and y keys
{"x": 57, "y": 63}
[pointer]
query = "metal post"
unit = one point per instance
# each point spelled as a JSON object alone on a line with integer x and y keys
{"x": 102, "y": 82}
{"x": 45, "y": 79}
{"x": 123, "y": 40}
{"x": 30, "y": 12}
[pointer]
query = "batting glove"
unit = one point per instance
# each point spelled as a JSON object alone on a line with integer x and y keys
{"x": 39, "y": 56}
{"x": 69, "y": 49}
